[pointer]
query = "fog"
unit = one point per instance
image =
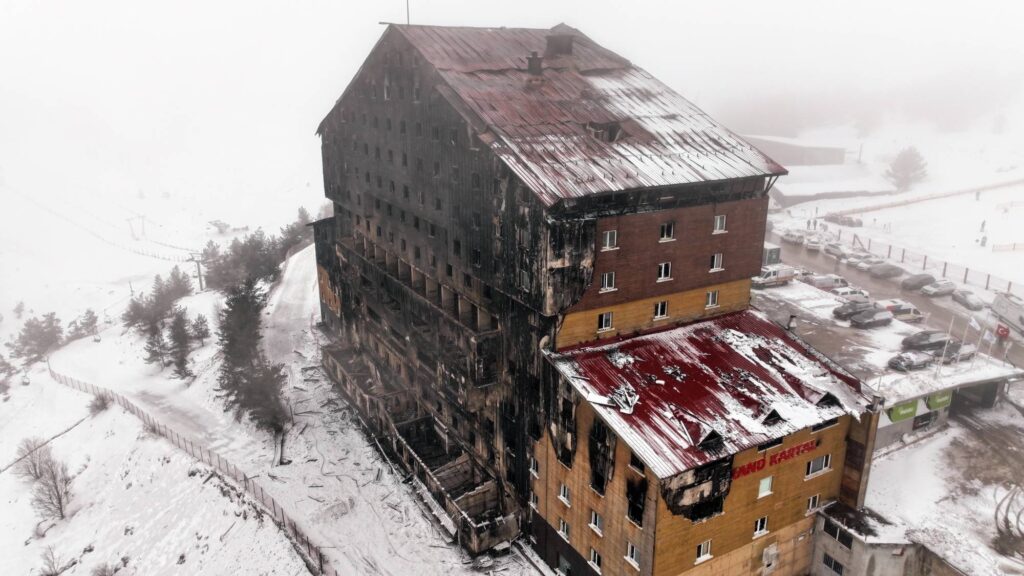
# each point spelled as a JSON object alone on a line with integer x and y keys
{"x": 222, "y": 99}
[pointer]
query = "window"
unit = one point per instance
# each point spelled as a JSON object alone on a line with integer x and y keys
{"x": 711, "y": 301}
{"x": 607, "y": 281}
{"x": 664, "y": 271}
{"x": 635, "y": 463}
{"x": 761, "y": 526}
{"x": 611, "y": 240}
{"x": 534, "y": 467}
{"x": 819, "y": 465}
{"x": 840, "y": 535}
{"x": 596, "y": 522}
{"x": 563, "y": 494}
{"x": 764, "y": 488}
{"x": 604, "y": 321}
{"x": 668, "y": 232}
{"x": 716, "y": 262}
{"x": 632, "y": 555}
{"x": 563, "y": 529}
{"x": 661, "y": 309}
{"x": 832, "y": 564}
{"x": 534, "y": 499}
{"x": 564, "y": 566}
{"x": 457, "y": 247}
{"x": 703, "y": 551}
{"x": 812, "y": 503}
{"x": 595, "y": 560}
{"x": 719, "y": 224}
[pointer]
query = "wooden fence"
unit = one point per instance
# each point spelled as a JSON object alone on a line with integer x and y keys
{"x": 314, "y": 556}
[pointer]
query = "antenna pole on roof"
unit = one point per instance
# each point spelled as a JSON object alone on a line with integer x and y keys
{"x": 406, "y": 12}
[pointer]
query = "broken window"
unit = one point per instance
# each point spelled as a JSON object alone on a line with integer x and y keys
{"x": 604, "y": 321}
{"x": 601, "y": 445}
{"x": 636, "y": 492}
{"x": 667, "y": 232}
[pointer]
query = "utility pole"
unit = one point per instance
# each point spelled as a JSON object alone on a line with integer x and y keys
{"x": 406, "y": 12}
{"x": 193, "y": 257}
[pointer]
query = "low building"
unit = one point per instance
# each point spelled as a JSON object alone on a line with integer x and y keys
{"x": 703, "y": 449}
{"x": 923, "y": 400}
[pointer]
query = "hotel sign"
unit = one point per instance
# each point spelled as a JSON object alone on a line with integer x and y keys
{"x": 777, "y": 458}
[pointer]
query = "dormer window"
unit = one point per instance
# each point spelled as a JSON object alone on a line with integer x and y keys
{"x": 606, "y": 131}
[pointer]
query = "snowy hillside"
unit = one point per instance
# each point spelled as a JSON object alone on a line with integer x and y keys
{"x": 137, "y": 501}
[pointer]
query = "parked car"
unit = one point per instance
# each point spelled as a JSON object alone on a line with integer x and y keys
{"x": 851, "y": 309}
{"x": 835, "y": 249}
{"x": 967, "y": 299}
{"x": 871, "y": 319}
{"x": 885, "y": 270}
{"x": 912, "y": 360}
{"x": 955, "y": 352}
{"x": 825, "y": 281}
{"x": 917, "y": 281}
{"x": 773, "y": 275}
{"x": 854, "y": 258}
{"x": 793, "y": 238}
{"x": 813, "y": 244}
{"x": 902, "y": 310}
{"x": 939, "y": 288}
{"x": 868, "y": 262}
{"x": 847, "y": 291}
{"x": 927, "y": 340}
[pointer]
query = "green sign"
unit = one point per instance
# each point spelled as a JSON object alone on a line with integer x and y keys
{"x": 903, "y": 411}
{"x": 939, "y": 400}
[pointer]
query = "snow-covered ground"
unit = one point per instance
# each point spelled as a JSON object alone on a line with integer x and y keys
{"x": 137, "y": 500}
{"x": 954, "y": 491}
{"x": 337, "y": 487}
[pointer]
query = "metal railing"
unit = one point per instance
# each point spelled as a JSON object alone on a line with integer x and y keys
{"x": 315, "y": 559}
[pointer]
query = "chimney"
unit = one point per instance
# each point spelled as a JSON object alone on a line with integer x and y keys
{"x": 533, "y": 64}
{"x": 559, "y": 45}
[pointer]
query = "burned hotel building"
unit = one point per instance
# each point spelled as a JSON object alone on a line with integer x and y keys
{"x": 538, "y": 279}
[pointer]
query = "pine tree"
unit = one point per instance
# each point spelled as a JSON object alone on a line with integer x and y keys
{"x": 37, "y": 337}
{"x": 248, "y": 383}
{"x": 907, "y": 169}
{"x": 6, "y": 370}
{"x": 156, "y": 346}
{"x": 160, "y": 299}
{"x": 179, "y": 284}
{"x": 135, "y": 312}
{"x": 200, "y": 329}
{"x": 84, "y": 326}
{"x": 179, "y": 344}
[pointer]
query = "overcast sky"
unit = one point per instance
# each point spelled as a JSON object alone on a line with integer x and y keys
{"x": 223, "y": 97}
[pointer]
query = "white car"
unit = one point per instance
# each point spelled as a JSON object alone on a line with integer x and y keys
{"x": 849, "y": 293}
{"x": 868, "y": 262}
{"x": 813, "y": 244}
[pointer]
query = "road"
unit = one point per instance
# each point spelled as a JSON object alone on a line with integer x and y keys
{"x": 939, "y": 311}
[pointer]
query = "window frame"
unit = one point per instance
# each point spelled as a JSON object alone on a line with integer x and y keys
{"x": 826, "y": 467}
{"x": 613, "y": 234}
{"x": 596, "y": 566}
{"x": 711, "y": 299}
{"x": 831, "y": 563}
{"x": 632, "y": 555}
{"x": 667, "y": 232}
{"x": 813, "y": 503}
{"x": 760, "y": 527}
{"x": 664, "y": 271}
{"x": 602, "y": 325}
{"x": 563, "y": 529}
{"x": 608, "y": 281}
{"x": 565, "y": 495}
{"x": 715, "y": 229}
{"x": 761, "y": 492}
{"x": 661, "y": 310}
{"x": 598, "y": 528}
{"x": 704, "y": 552}
{"x": 717, "y": 262}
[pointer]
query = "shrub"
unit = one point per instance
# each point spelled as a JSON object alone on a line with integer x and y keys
{"x": 52, "y": 491}
{"x": 99, "y": 403}
{"x": 31, "y": 454}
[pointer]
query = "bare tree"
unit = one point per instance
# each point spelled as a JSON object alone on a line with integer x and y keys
{"x": 104, "y": 570}
{"x": 52, "y": 491}
{"x": 31, "y": 454}
{"x": 53, "y": 565}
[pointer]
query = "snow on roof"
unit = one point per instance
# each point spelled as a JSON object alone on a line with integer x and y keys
{"x": 832, "y": 179}
{"x": 899, "y": 386}
{"x": 591, "y": 122}
{"x": 721, "y": 377}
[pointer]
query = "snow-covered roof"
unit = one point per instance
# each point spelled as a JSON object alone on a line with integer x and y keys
{"x": 665, "y": 393}
{"x": 544, "y": 126}
{"x": 899, "y": 386}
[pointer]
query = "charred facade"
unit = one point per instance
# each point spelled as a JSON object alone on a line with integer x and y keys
{"x": 505, "y": 199}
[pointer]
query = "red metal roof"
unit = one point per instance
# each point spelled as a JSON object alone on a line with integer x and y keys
{"x": 721, "y": 376}
{"x": 541, "y": 128}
